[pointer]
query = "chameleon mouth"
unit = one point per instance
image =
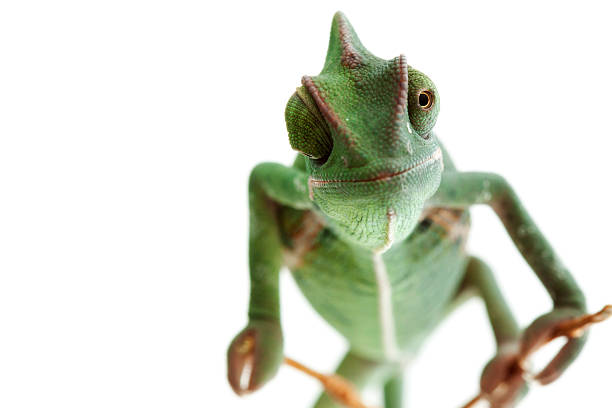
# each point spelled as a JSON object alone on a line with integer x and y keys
{"x": 435, "y": 156}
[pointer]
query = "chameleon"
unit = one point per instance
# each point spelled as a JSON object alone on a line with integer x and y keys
{"x": 372, "y": 220}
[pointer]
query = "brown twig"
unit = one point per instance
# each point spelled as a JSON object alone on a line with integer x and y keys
{"x": 337, "y": 387}
{"x": 474, "y": 401}
{"x": 576, "y": 327}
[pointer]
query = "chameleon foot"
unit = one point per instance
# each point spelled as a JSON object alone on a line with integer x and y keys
{"x": 254, "y": 356}
{"x": 506, "y": 376}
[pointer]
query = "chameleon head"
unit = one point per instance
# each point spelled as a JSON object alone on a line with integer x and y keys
{"x": 365, "y": 127}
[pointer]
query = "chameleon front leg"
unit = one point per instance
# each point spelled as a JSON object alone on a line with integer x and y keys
{"x": 257, "y": 351}
{"x": 461, "y": 190}
{"x": 479, "y": 278}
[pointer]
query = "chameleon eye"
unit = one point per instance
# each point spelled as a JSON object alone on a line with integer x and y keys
{"x": 423, "y": 103}
{"x": 426, "y": 99}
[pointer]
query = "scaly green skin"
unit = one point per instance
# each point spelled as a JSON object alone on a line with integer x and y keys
{"x": 372, "y": 219}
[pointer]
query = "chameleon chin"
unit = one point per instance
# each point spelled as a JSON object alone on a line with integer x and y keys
{"x": 372, "y": 220}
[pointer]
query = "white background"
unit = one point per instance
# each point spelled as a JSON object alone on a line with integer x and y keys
{"x": 127, "y": 133}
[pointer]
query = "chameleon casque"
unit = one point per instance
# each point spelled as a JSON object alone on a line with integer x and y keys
{"x": 372, "y": 221}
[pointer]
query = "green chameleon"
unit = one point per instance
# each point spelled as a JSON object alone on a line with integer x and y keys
{"x": 372, "y": 221}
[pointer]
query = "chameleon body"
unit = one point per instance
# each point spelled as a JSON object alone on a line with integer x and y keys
{"x": 372, "y": 220}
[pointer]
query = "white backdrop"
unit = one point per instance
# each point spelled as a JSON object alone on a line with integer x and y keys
{"x": 127, "y": 133}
